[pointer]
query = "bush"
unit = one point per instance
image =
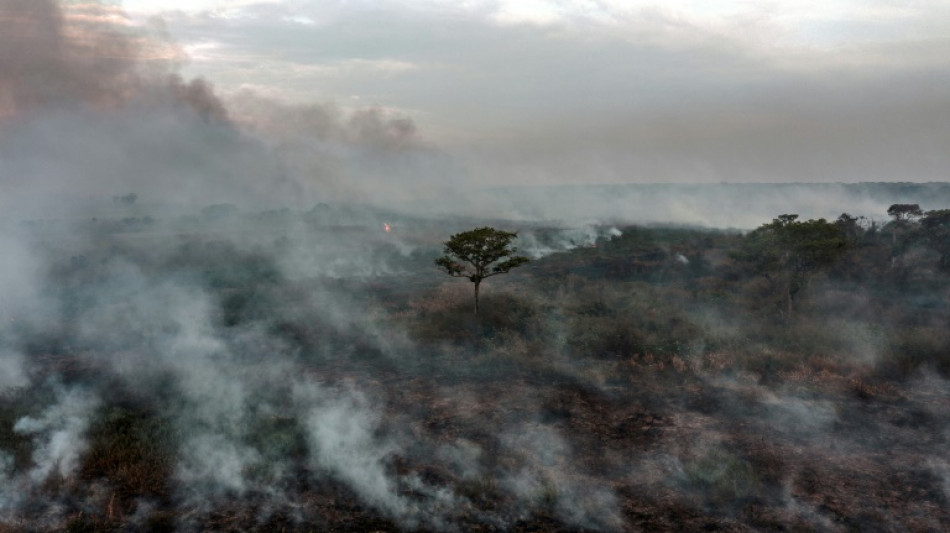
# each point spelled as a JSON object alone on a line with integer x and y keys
{"x": 635, "y": 322}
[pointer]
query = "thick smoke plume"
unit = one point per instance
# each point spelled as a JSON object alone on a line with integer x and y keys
{"x": 92, "y": 106}
{"x": 56, "y": 57}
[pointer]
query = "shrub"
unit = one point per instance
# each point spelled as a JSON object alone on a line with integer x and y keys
{"x": 638, "y": 321}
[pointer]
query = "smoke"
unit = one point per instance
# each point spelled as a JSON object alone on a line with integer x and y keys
{"x": 51, "y": 59}
{"x": 547, "y": 479}
{"x": 93, "y": 106}
{"x": 13, "y": 373}
{"x": 714, "y": 205}
{"x": 540, "y": 244}
{"x": 161, "y": 260}
{"x": 341, "y": 433}
{"x": 59, "y": 433}
{"x": 152, "y": 330}
{"x": 359, "y": 155}
{"x": 59, "y": 56}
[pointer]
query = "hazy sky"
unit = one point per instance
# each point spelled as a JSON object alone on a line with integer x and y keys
{"x": 363, "y": 94}
{"x": 608, "y": 90}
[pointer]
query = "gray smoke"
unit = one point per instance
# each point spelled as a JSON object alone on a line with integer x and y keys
{"x": 59, "y": 433}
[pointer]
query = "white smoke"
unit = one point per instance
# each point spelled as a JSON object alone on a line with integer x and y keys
{"x": 59, "y": 433}
{"x": 537, "y": 245}
{"x": 341, "y": 432}
{"x": 13, "y": 372}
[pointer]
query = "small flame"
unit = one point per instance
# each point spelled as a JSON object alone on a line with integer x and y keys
{"x": 387, "y": 227}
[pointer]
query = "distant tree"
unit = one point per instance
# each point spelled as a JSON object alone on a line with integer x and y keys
{"x": 904, "y": 212}
{"x": 850, "y": 227}
{"x": 786, "y": 251}
{"x": 478, "y": 254}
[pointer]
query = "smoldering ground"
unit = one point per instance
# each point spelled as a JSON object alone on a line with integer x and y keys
{"x": 254, "y": 386}
{"x": 189, "y": 375}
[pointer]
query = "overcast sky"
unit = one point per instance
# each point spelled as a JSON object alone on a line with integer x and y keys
{"x": 608, "y": 90}
{"x": 367, "y": 95}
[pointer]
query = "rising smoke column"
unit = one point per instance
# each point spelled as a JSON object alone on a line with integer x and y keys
{"x": 87, "y": 54}
{"x": 91, "y": 106}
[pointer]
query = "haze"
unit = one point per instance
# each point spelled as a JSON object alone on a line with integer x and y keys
{"x": 607, "y": 91}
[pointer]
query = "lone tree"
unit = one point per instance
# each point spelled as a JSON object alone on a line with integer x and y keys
{"x": 478, "y": 254}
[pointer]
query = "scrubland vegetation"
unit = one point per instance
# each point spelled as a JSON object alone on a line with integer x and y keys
{"x": 278, "y": 372}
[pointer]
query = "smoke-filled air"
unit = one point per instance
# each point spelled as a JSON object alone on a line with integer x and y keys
{"x": 561, "y": 266}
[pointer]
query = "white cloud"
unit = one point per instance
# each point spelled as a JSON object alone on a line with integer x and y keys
{"x": 224, "y": 9}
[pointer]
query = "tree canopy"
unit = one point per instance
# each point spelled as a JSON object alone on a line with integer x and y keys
{"x": 478, "y": 254}
{"x": 787, "y": 250}
{"x": 904, "y": 212}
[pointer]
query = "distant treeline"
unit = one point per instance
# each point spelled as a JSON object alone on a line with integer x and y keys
{"x": 738, "y": 205}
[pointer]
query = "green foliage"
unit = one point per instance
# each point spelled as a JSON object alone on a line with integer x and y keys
{"x": 793, "y": 245}
{"x": 904, "y": 212}
{"x": 478, "y": 254}
{"x": 627, "y": 321}
{"x": 474, "y": 254}
{"x": 787, "y": 250}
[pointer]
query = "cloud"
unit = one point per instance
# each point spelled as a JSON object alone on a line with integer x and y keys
{"x": 580, "y": 92}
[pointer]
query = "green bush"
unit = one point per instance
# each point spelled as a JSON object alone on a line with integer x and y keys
{"x": 636, "y": 321}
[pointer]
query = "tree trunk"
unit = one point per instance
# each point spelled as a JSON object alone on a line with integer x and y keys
{"x": 477, "y": 283}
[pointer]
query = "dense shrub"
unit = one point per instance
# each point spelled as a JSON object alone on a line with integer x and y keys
{"x": 636, "y": 320}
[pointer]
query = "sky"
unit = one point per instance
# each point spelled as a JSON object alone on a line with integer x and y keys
{"x": 607, "y": 91}
{"x": 371, "y": 100}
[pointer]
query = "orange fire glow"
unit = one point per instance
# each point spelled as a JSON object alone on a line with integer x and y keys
{"x": 387, "y": 227}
